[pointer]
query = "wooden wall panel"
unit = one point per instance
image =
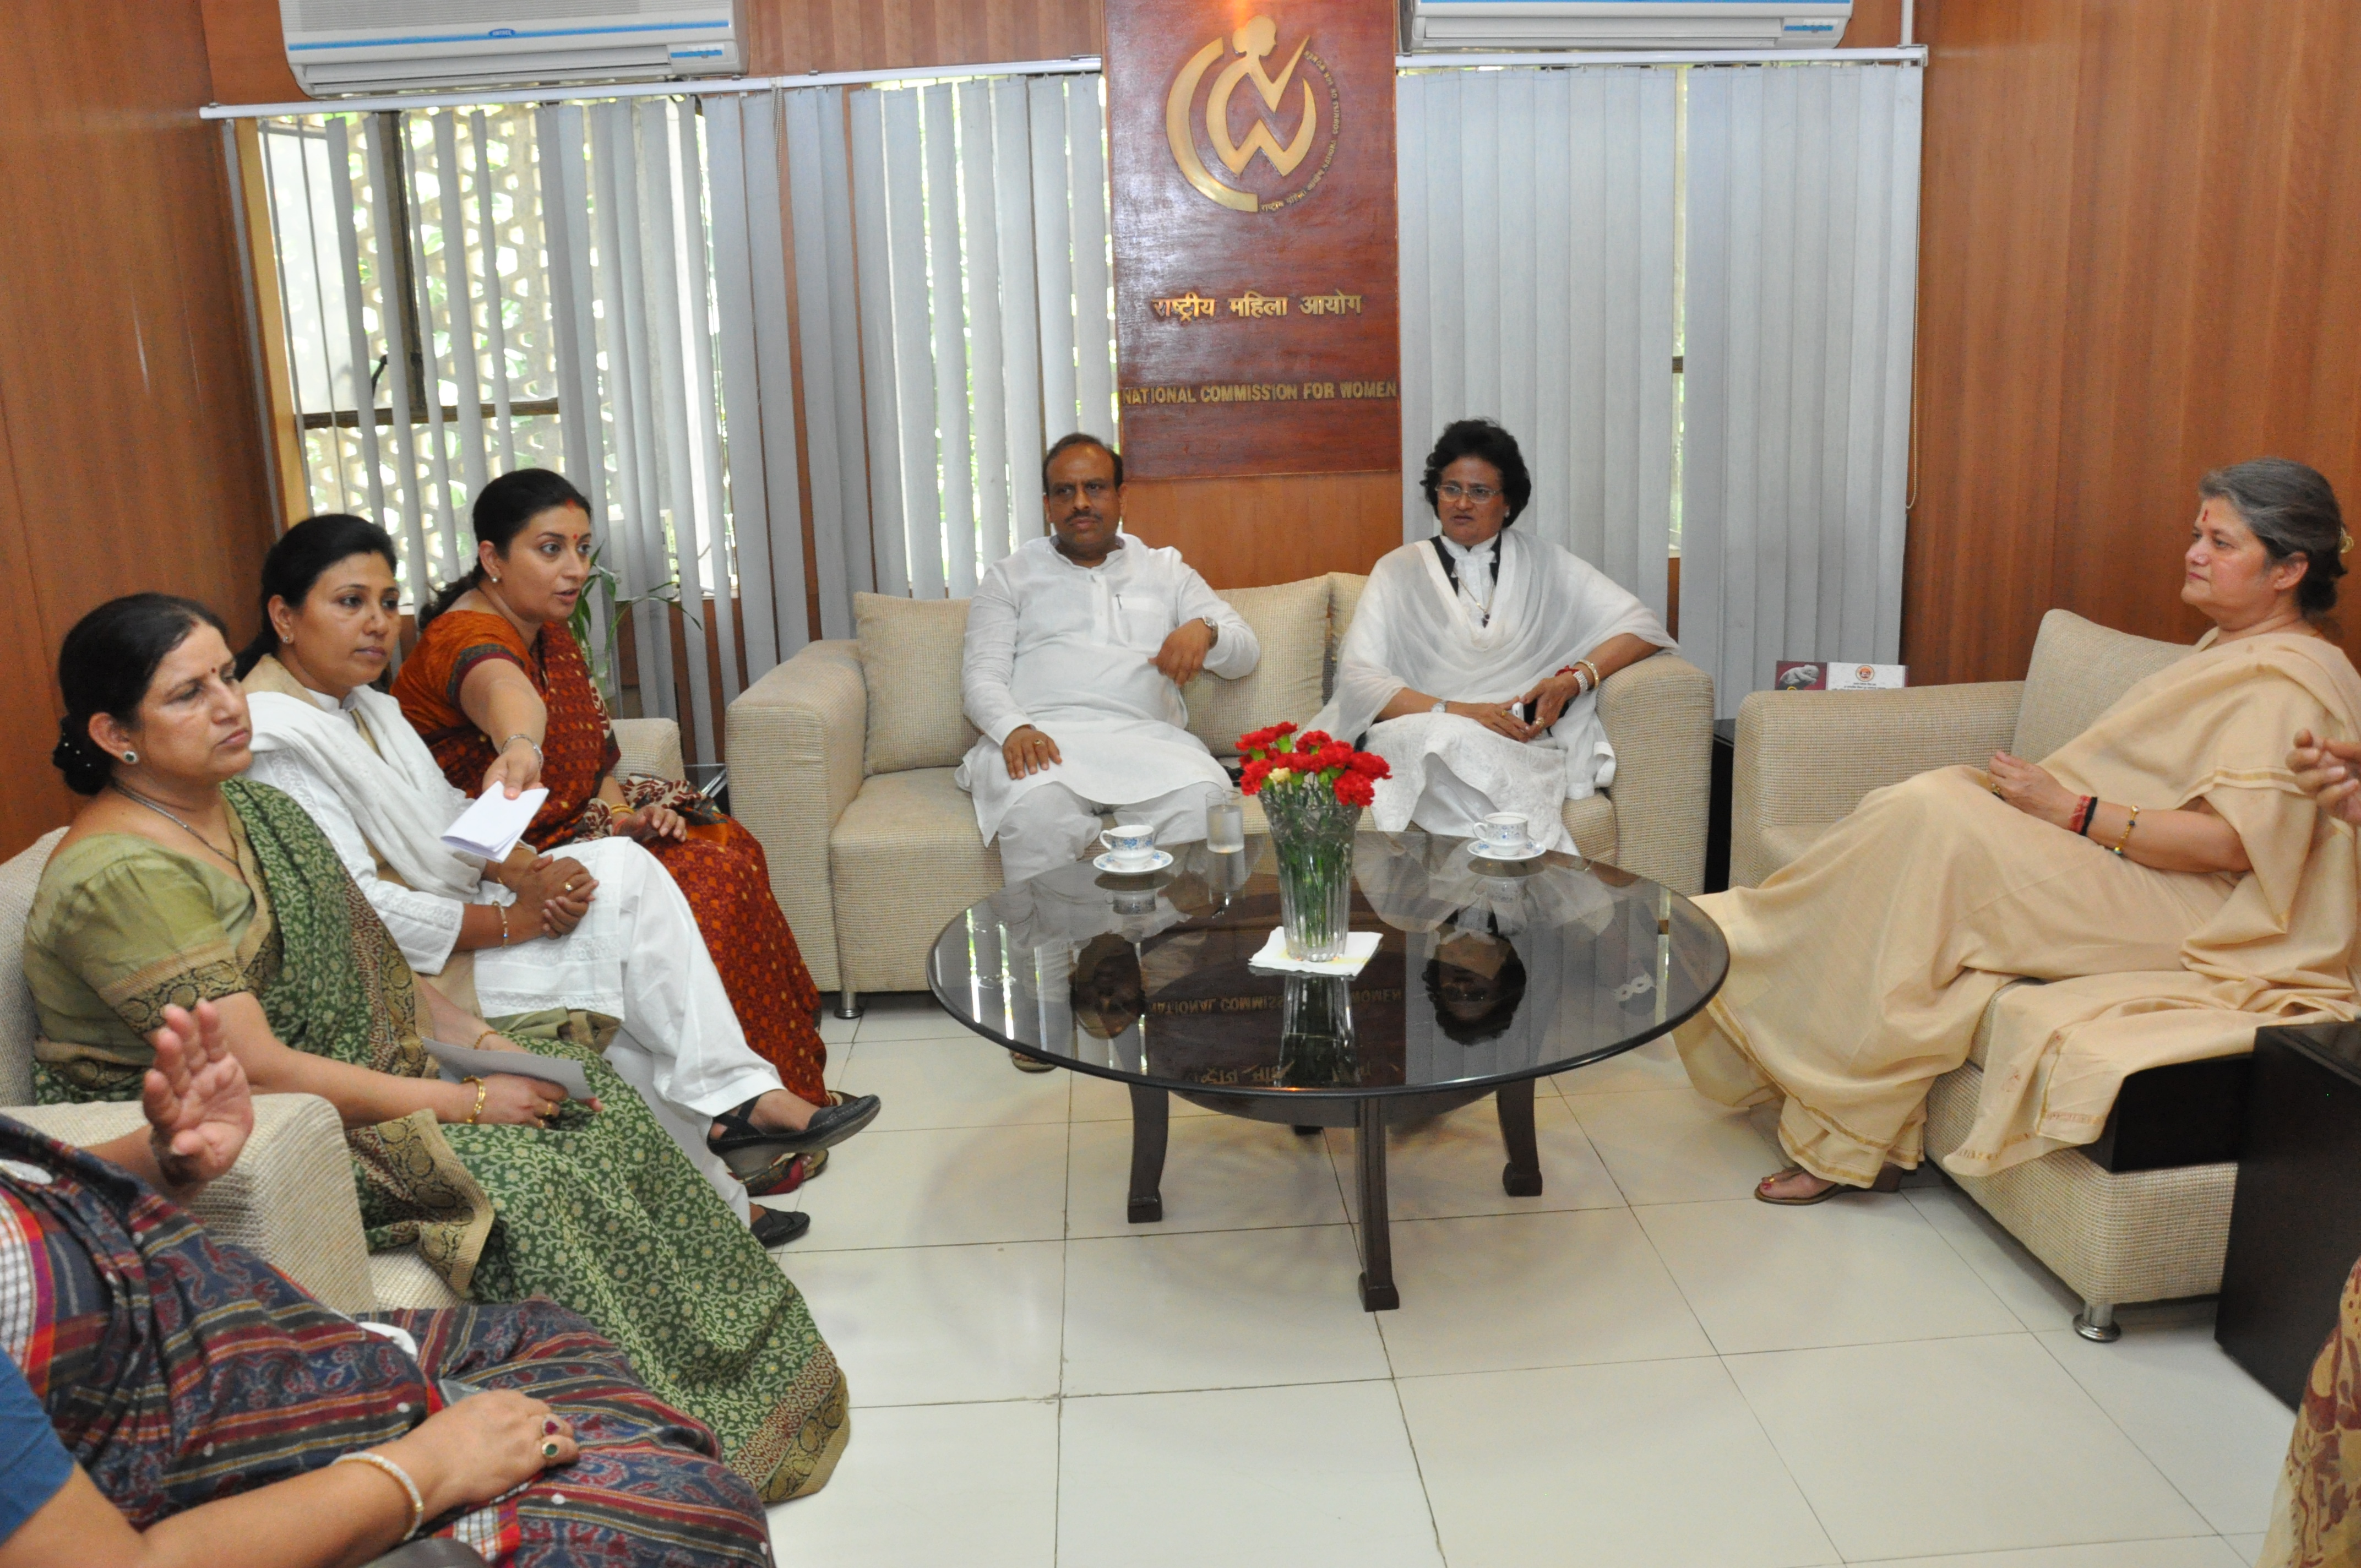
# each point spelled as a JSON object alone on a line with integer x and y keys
{"x": 126, "y": 387}
{"x": 2141, "y": 259}
{"x": 1276, "y": 529}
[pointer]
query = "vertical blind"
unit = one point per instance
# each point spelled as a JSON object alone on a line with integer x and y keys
{"x": 979, "y": 215}
{"x": 636, "y": 292}
{"x": 1803, "y": 218}
{"x": 1537, "y": 289}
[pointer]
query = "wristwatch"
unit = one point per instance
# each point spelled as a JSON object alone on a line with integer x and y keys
{"x": 1213, "y": 626}
{"x": 1441, "y": 704}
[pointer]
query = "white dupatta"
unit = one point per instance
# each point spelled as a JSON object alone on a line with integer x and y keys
{"x": 399, "y": 798}
{"x": 1413, "y": 629}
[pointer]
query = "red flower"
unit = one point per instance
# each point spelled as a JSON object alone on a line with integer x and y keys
{"x": 1354, "y": 789}
{"x": 1335, "y": 754}
{"x": 1250, "y": 778}
{"x": 1370, "y": 765}
{"x": 1311, "y": 739}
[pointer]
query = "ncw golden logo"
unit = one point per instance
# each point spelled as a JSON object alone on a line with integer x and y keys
{"x": 1287, "y": 182}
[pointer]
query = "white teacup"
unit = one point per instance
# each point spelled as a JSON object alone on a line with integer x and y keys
{"x": 1130, "y": 843}
{"x": 1504, "y": 832}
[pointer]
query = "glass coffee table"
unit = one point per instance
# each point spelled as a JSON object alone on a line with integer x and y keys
{"x": 1486, "y": 977}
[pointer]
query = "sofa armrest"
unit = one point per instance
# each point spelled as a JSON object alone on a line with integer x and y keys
{"x": 651, "y": 746}
{"x": 1659, "y": 718}
{"x": 1805, "y": 759}
{"x": 796, "y": 738}
{"x": 288, "y": 1199}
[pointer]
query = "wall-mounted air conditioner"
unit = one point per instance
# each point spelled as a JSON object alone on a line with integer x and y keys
{"x": 1517, "y": 24}
{"x": 385, "y": 46}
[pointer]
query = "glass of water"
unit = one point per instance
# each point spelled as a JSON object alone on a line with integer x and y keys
{"x": 1226, "y": 826}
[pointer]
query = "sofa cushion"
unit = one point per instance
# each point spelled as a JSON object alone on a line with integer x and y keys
{"x": 1291, "y": 621}
{"x": 910, "y": 661}
{"x": 902, "y": 859}
{"x": 2080, "y": 669}
{"x": 1344, "y": 599}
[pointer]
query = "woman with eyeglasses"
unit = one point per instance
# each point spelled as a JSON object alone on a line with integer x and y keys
{"x": 1473, "y": 661}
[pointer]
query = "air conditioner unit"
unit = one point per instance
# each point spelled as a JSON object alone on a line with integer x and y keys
{"x": 1519, "y": 25}
{"x": 387, "y": 46}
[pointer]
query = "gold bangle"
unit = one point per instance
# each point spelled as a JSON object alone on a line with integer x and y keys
{"x": 477, "y": 1043}
{"x": 504, "y": 924}
{"x": 481, "y": 1091}
{"x": 1593, "y": 669}
{"x": 2127, "y": 831}
{"x": 401, "y": 1477}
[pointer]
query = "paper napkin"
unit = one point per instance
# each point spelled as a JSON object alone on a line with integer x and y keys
{"x": 494, "y": 824}
{"x": 1360, "y": 947}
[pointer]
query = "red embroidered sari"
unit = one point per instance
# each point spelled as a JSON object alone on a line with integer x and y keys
{"x": 719, "y": 866}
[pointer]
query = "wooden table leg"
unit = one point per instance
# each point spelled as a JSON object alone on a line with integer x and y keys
{"x": 1151, "y": 1112}
{"x": 1521, "y": 1177}
{"x": 1377, "y": 1292}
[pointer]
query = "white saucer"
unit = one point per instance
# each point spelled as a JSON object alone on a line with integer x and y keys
{"x": 1154, "y": 862}
{"x": 1477, "y": 851}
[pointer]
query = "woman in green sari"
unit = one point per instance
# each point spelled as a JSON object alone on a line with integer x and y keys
{"x": 180, "y": 882}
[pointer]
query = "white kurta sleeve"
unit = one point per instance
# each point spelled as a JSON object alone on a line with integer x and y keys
{"x": 425, "y": 925}
{"x": 1236, "y": 650}
{"x": 988, "y": 659}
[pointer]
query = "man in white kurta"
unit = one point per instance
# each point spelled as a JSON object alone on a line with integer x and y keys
{"x": 1457, "y": 630}
{"x": 1076, "y": 646}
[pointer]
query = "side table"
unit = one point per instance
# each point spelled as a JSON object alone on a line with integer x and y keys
{"x": 2295, "y": 1224}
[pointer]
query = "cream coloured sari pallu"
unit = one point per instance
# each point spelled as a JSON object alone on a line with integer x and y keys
{"x": 1860, "y": 973}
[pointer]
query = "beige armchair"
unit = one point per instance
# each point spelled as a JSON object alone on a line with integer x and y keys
{"x": 841, "y": 760}
{"x": 1805, "y": 759}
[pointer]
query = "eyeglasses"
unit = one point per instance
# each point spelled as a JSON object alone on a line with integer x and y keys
{"x": 1096, "y": 489}
{"x": 1479, "y": 494}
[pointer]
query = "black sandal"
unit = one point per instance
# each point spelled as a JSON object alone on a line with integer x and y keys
{"x": 749, "y": 1150}
{"x": 777, "y": 1227}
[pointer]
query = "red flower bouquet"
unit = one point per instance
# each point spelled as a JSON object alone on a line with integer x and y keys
{"x": 1312, "y": 788}
{"x": 1310, "y": 760}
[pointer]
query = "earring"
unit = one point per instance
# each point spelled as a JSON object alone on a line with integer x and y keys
{"x": 131, "y": 759}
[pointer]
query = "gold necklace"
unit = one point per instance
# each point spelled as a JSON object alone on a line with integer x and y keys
{"x": 129, "y": 793}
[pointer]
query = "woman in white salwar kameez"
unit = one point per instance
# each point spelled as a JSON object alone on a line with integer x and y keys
{"x": 602, "y": 930}
{"x": 1457, "y": 633}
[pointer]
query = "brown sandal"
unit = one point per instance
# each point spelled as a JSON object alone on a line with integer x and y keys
{"x": 1889, "y": 1179}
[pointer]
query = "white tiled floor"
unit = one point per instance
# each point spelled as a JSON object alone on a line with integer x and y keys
{"x": 1642, "y": 1366}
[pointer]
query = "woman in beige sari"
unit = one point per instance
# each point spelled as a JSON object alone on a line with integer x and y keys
{"x": 2164, "y": 871}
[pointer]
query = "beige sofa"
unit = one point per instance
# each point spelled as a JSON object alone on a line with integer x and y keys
{"x": 290, "y": 1198}
{"x": 1805, "y": 759}
{"x": 841, "y": 762}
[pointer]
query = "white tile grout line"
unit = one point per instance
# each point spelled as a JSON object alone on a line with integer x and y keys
{"x": 2138, "y": 1447}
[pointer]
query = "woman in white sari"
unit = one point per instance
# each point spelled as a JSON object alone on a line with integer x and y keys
{"x": 1474, "y": 661}
{"x": 602, "y": 930}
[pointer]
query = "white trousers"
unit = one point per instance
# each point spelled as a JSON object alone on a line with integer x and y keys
{"x": 638, "y": 956}
{"x": 1051, "y": 825}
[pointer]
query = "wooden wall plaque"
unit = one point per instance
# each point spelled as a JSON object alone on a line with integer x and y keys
{"x": 1257, "y": 308}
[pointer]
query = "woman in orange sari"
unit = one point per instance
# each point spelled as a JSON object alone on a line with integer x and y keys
{"x": 503, "y": 697}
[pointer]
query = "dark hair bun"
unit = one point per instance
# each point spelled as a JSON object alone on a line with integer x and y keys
{"x": 77, "y": 756}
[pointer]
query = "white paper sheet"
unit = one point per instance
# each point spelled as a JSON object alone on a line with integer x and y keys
{"x": 494, "y": 824}
{"x": 1360, "y": 947}
{"x": 462, "y": 1061}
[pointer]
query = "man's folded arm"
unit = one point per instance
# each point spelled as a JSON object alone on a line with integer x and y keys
{"x": 988, "y": 662}
{"x": 1235, "y": 651}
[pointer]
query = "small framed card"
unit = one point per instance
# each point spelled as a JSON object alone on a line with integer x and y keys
{"x": 1826, "y": 675}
